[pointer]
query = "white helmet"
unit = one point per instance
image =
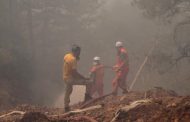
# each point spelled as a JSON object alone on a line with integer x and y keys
{"x": 118, "y": 44}
{"x": 96, "y": 58}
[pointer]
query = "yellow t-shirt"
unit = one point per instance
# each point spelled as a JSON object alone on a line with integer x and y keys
{"x": 69, "y": 64}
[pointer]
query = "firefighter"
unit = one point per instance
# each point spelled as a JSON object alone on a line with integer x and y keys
{"x": 71, "y": 76}
{"x": 97, "y": 76}
{"x": 121, "y": 68}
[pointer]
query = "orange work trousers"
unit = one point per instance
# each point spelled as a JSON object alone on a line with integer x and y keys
{"x": 119, "y": 81}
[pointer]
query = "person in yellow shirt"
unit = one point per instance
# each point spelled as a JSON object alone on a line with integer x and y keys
{"x": 71, "y": 76}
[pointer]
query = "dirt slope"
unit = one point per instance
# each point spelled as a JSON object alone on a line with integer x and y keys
{"x": 156, "y": 105}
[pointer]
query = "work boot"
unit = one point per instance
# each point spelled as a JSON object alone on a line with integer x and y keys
{"x": 87, "y": 97}
{"x": 67, "y": 109}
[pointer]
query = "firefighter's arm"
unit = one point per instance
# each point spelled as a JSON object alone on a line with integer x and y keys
{"x": 92, "y": 73}
{"x": 92, "y": 76}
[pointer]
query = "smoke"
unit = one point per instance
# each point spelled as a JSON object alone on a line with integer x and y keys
{"x": 120, "y": 21}
{"x": 95, "y": 27}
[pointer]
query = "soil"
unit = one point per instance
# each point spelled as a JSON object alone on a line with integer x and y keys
{"x": 165, "y": 106}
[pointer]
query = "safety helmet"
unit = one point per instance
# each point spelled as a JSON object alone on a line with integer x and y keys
{"x": 118, "y": 44}
{"x": 96, "y": 58}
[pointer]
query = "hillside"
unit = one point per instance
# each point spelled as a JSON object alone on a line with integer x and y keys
{"x": 157, "y": 105}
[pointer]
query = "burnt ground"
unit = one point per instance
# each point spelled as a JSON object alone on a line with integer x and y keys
{"x": 162, "y": 106}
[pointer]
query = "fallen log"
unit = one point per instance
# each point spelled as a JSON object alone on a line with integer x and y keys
{"x": 77, "y": 111}
{"x": 134, "y": 104}
{"x": 129, "y": 107}
{"x": 12, "y": 113}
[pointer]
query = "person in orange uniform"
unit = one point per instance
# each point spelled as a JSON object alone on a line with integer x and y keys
{"x": 97, "y": 76}
{"x": 121, "y": 68}
{"x": 71, "y": 76}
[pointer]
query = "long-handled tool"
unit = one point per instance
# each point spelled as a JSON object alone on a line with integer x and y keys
{"x": 108, "y": 67}
{"x": 141, "y": 67}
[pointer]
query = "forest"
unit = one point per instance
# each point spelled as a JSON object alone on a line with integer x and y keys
{"x": 35, "y": 35}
